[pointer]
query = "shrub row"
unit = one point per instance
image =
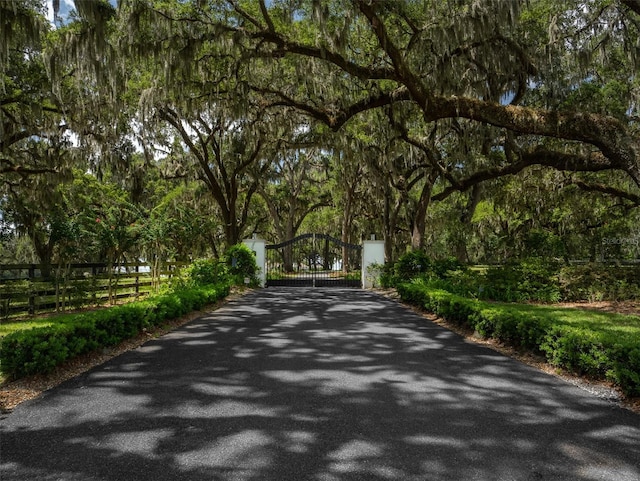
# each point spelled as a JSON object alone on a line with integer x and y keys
{"x": 40, "y": 350}
{"x": 597, "y": 282}
{"x": 599, "y": 354}
{"x": 530, "y": 279}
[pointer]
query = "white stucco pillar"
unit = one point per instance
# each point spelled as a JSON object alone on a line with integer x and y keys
{"x": 372, "y": 253}
{"x": 258, "y": 248}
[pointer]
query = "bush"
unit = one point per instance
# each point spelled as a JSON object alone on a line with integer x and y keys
{"x": 387, "y": 276}
{"x": 578, "y": 350}
{"x": 241, "y": 264}
{"x": 40, "y": 350}
{"x": 444, "y": 268}
{"x": 576, "y": 347}
{"x": 597, "y": 282}
{"x": 463, "y": 282}
{"x": 204, "y": 272}
{"x": 533, "y": 279}
{"x": 411, "y": 265}
{"x": 418, "y": 265}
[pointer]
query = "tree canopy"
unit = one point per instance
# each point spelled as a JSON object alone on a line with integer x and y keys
{"x": 434, "y": 124}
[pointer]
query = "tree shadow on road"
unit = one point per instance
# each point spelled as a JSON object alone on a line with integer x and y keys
{"x": 317, "y": 385}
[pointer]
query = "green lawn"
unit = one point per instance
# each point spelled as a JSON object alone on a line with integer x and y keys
{"x": 597, "y": 321}
{"x": 9, "y": 327}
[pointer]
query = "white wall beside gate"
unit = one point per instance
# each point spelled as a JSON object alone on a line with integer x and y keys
{"x": 258, "y": 247}
{"x": 372, "y": 253}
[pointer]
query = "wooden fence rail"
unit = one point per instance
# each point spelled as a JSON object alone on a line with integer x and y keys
{"x": 24, "y": 291}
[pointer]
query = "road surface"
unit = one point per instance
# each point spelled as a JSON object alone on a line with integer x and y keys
{"x": 317, "y": 384}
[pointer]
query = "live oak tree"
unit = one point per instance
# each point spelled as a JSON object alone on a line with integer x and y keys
{"x": 35, "y": 154}
{"x": 229, "y": 157}
{"x": 193, "y": 97}
{"x": 29, "y": 111}
{"x": 40, "y": 107}
{"x": 494, "y": 63}
{"x": 461, "y": 92}
{"x": 46, "y": 93}
{"x": 40, "y": 102}
{"x": 375, "y": 176}
{"x": 292, "y": 189}
{"x": 542, "y": 212}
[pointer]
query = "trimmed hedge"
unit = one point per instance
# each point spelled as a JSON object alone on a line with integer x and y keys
{"x": 598, "y": 353}
{"x": 41, "y": 349}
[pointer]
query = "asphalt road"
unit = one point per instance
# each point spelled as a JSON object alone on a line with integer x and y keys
{"x": 313, "y": 384}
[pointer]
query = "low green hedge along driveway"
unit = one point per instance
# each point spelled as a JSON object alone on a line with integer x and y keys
{"x": 601, "y": 345}
{"x": 41, "y": 349}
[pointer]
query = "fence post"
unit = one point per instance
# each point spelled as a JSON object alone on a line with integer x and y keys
{"x": 94, "y": 285}
{"x": 137, "y": 280}
{"x": 32, "y": 296}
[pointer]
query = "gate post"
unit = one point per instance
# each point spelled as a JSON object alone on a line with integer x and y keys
{"x": 372, "y": 253}
{"x": 257, "y": 246}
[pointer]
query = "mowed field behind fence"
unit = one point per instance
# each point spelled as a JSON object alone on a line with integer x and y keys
{"x": 24, "y": 291}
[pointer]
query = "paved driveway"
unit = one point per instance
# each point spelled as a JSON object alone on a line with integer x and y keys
{"x": 317, "y": 385}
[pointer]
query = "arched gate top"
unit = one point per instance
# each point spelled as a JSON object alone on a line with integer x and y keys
{"x": 314, "y": 236}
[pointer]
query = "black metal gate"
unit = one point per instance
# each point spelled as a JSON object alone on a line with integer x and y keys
{"x": 314, "y": 260}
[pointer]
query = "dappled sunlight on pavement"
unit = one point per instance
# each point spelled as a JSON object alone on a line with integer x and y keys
{"x": 317, "y": 385}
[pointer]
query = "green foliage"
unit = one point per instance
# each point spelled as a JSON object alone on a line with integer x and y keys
{"x": 532, "y": 279}
{"x": 597, "y": 282}
{"x": 412, "y": 265}
{"x": 46, "y": 73}
{"x": 528, "y": 280}
{"x": 387, "y": 277}
{"x": 417, "y": 264}
{"x": 41, "y": 349}
{"x": 241, "y": 263}
{"x": 610, "y": 98}
{"x": 463, "y": 282}
{"x": 180, "y": 224}
{"x": 352, "y": 276}
{"x": 445, "y": 268}
{"x": 596, "y": 344}
{"x": 543, "y": 244}
{"x": 204, "y": 272}
{"x": 374, "y": 274}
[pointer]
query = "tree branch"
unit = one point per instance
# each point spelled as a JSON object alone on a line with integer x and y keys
{"x": 207, "y": 176}
{"x": 403, "y": 72}
{"x": 604, "y": 132}
{"x": 17, "y": 137}
{"x": 25, "y": 171}
{"x": 605, "y": 189}
{"x": 336, "y": 118}
{"x": 632, "y": 4}
{"x": 556, "y": 160}
{"x": 265, "y": 15}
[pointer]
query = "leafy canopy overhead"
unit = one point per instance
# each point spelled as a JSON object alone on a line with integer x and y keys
{"x": 406, "y": 102}
{"x": 520, "y": 67}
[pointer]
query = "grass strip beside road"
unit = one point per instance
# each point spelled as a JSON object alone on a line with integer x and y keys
{"x": 12, "y": 326}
